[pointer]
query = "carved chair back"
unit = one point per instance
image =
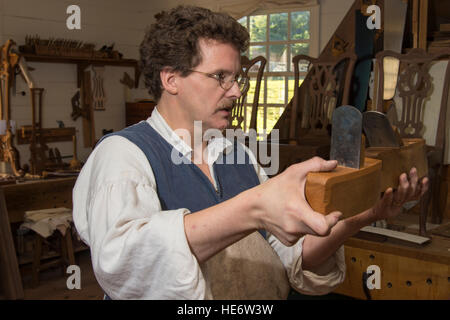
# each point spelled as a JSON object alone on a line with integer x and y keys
{"x": 327, "y": 85}
{"x": 237, "y": 115}
{"x": 414, "y": 87}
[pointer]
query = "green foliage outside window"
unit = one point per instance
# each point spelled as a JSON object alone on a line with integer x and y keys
{"x": 278, "y": 37}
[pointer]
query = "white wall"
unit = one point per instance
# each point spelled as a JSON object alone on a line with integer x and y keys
{"x": 102, "y": 22}
{"x": 331, "y": 14}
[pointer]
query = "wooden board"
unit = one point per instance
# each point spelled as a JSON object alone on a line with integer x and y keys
{"x": 401, "y": 277}
{"x": 407, "y": 272}
{"x": 42, "y": 194}
{"x": 137, "y": 111}
{"x": 395, "y": 161}
{"x": 49, "y": 134}
{"x": 86, "y": 104}
{"x": 396, "y": 234}
{"x": 10, "y": 280}
{"x": 423, "y": 22}
{"x": 348, "y": 190}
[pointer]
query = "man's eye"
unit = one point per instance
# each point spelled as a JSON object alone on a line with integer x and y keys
{"x": 221, "y": 76}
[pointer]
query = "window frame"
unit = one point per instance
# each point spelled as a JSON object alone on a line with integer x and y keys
{"x": 313, "y": 52}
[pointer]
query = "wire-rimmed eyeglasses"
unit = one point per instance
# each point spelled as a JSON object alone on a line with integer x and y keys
{"x": 226, "y": 82}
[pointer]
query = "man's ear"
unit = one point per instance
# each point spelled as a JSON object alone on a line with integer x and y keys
{"x": 169, "y": 80}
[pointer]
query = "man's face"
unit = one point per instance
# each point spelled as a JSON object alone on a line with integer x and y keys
{"x": 202, "y": 97}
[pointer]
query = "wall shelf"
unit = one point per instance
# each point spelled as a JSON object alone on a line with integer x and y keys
{"x": 82, "y": 63}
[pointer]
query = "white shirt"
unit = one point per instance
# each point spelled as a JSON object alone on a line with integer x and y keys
{"x": 140, "y": 251}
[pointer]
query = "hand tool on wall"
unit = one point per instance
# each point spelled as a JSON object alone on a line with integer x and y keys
{"x": 76, "y": 110}
{"x": 98, "y": 93}
{"x": 75, "y": 164}
{"x": 87, "y": 105}
{"x": 38, "y": 147}
{"x": 82, "y": 105}
{"x": 126, "y": 80}
{"x": 9, "y": 60}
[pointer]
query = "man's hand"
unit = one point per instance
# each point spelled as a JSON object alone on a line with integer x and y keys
{"x": 282, "y": 208}
{"x": 409, "y": 189}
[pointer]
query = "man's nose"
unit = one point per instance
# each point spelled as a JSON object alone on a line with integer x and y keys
{"x": 234, "y": 91}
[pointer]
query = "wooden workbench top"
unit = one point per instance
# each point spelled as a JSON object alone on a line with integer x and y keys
{"x": 437, "y": 250}
{"x": 36, "y": 195}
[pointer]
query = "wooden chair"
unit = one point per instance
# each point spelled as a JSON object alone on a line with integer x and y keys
{"x": 40, "y": 194}
{"x": 326, "y": 86}
{"x": 414, "y": 86}
{"x": 237, "y": 114}
{"x": 64, "y": 249}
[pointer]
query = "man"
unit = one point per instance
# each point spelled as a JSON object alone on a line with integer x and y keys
{"x": 156, "y": 227}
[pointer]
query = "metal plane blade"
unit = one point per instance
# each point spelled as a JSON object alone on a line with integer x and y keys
{"x": 346, "y": 133}
{"x": 378, "y": 130}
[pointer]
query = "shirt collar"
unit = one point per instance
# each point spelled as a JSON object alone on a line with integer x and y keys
{"x": 216, "y": 145}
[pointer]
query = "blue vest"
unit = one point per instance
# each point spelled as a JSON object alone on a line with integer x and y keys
{"x": 185, "y": 185}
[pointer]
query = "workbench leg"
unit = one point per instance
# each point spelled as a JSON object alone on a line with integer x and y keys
{"x": 36, "y": 260}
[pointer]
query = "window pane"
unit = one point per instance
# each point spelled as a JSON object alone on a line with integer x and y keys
{"x": 251, "y": 91}
{"x": 243, "y": 21}
{"x": 278, "y": 57}
{"x": 248, "y": 115}
{"x": 258, "y": 27}
{"x": 254, "y": 52}
{"x": 257, "y": 51}
{"x": 259, "y": 119}
{"x": 278, "y": 29}
{"x": 300, "y": 48}
{"x": 291, "y": 87}
{"x": 300, "y": 25}
{"x": 275, "y": 90}
{"x": 273, "y": 114}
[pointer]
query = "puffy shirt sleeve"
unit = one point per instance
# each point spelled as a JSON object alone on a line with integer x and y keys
{"x": 138, "y": 250}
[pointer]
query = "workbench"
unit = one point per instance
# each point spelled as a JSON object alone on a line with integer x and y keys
{"x": 15, "y": 199}
{"x": 408, "y": 271}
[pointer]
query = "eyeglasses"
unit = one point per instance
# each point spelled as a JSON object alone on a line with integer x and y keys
{"x": 226, "y": 82}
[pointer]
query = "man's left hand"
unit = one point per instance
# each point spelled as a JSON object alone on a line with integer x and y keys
{"x": 409, "y": 189}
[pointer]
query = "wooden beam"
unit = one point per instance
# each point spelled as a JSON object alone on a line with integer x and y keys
{"x": 49, "y": 134}
{"x": 11, "y": 281}
{"x": 415, "y": 23}
{"x": 423, "y": 22}
{"x": 86, "y": 104}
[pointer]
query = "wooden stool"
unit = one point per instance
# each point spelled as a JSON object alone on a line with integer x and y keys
{"x": 65, "y": 258}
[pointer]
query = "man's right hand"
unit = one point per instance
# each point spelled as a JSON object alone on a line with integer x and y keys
{"x": 281, "y": 207}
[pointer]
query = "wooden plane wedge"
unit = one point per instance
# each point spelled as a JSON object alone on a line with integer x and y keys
{"x": 378, "y": 130}
{"x": 397, "y": 155}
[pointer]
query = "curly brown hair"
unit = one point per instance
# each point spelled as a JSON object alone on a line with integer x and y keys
{"x": 172, "y": 41}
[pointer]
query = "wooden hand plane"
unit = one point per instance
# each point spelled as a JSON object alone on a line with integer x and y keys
{"x": 354, "y": 186}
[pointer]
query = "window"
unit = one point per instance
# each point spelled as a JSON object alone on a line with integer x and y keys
{"x": 278, "y": 36}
